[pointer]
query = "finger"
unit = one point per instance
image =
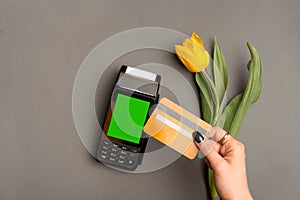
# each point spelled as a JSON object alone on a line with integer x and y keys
{"x": 207, "y": 147}
{"x": 233, "y": 149}
{"x": 227, "y": 145}
{"x": 228, "y": 140}
{"x": 204, "y": 144}
{"x": 217, "y": 133}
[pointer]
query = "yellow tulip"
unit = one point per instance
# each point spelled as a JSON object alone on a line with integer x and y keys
{"x": 193, "y": 54}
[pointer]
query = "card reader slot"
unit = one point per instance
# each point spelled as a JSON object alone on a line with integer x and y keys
{"x": 134, "y": 83}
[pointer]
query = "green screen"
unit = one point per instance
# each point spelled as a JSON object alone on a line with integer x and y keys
{"x": 128, "y": 118}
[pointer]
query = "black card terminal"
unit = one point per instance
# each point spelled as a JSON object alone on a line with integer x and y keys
{"x": 123, "y": 141}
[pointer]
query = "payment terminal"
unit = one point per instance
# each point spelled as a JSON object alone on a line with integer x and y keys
{"x": 123, "y": 140}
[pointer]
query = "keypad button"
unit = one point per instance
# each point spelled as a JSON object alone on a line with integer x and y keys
{"x": 133, "y": 154}
{"x": 113, "y": 149}
{"x": 104, "y": 152}
{"x": 121, "y": 161}
{"x": 122, "y": 157}
{"x": 134, "y": 150}
{"x": 113, "y": 154}
{"x": 105, "y": 147}
{"x": 112, "y": 159}
{"x": 103, "y": 156}
{"x": 130, "y": 161}
{"x": 126, "y": 148}
{"x": 105, "y": 142}
{"x": 123, "y": 152}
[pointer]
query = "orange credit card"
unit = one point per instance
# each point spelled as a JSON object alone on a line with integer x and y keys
{"x": 174, "y": 126}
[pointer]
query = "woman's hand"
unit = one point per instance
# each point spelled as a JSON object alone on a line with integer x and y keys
{"x": 227, "y": 158}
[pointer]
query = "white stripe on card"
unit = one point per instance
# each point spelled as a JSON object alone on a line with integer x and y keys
{"x": 174, "y": 126}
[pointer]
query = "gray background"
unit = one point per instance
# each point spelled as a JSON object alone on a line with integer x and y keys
{"x": 42, "y": 44}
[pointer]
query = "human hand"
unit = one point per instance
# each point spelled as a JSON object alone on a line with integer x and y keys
{"x": 227, "y": 158}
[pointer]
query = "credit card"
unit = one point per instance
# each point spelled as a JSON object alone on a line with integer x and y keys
{"x": 172, "y": 125}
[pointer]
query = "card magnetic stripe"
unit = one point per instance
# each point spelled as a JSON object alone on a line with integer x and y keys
{"x": 182, "y": 119}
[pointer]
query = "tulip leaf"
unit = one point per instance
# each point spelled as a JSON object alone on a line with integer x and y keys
{"x": 256, "y": 96}
{"x": 252, "y": 91}
{"x": 227, "y": 116}
{"x": 220, "y": 72}
{"x": 205, "y": 98}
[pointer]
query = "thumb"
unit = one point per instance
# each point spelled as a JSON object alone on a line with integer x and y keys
{"x": 209, "y": 149}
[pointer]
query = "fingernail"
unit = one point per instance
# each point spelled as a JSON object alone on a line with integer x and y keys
{"x": 198, "y": 137}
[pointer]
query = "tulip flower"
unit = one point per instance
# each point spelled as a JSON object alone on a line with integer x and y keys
{"x": 193, "y": 54}
{"x": 196, "y": 59}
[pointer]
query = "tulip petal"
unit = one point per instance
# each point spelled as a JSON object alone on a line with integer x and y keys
{"x": 188, "y": 43}
{"x": 179, "y": 49}
{"x": 189, "y": 66}
{"x": 203, "y": 59}
{"x": 197, "y": 39}
{"x": 190, "y": 60}
{"x": 185, "y": 55}
{"x": 197, "y": 49}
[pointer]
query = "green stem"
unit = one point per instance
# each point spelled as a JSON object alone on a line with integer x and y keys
{"x": 212, "y": 187}
{"x": 213, "y": 92}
